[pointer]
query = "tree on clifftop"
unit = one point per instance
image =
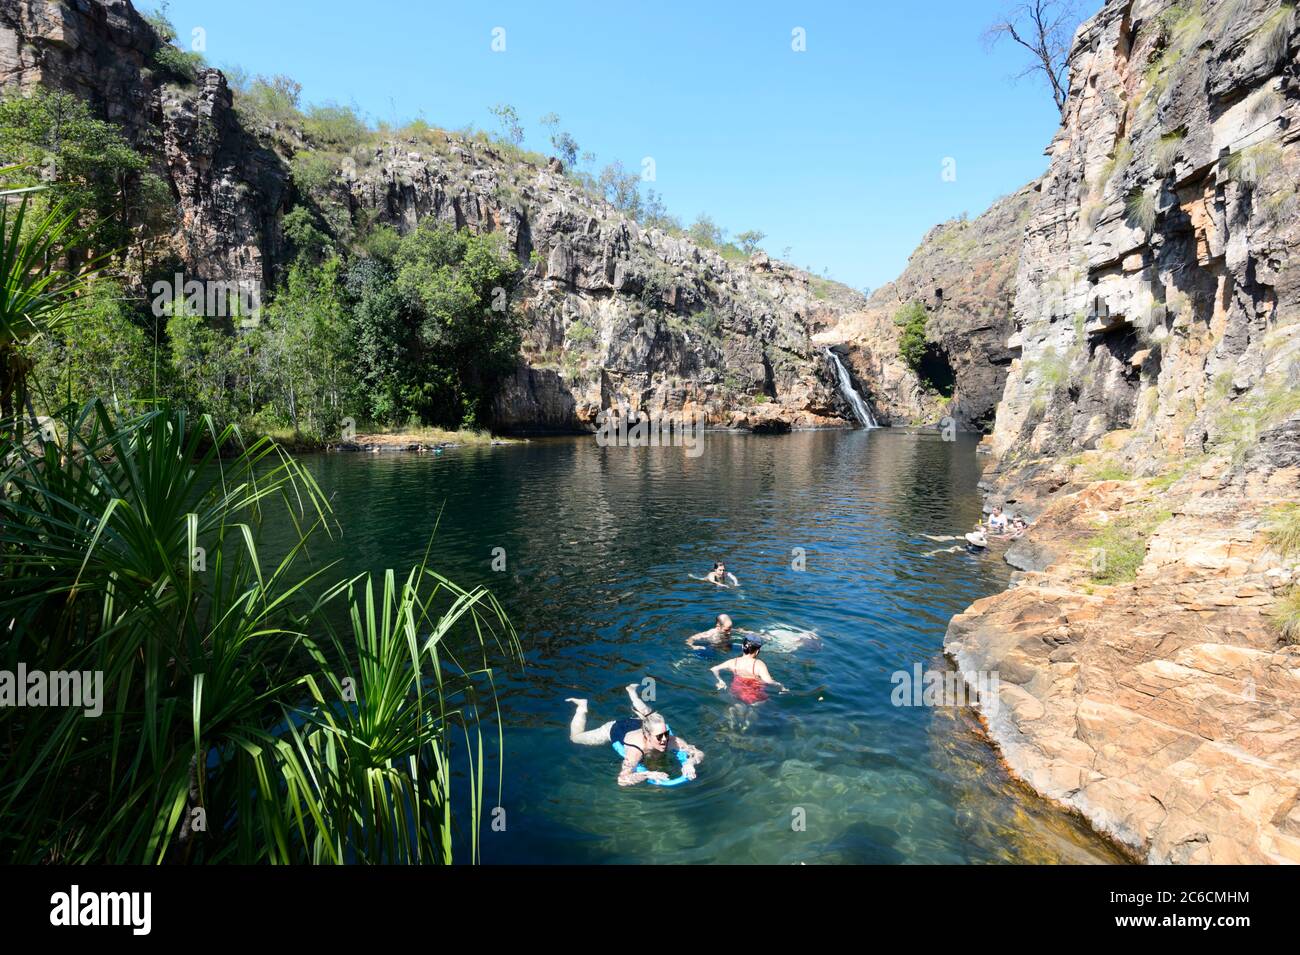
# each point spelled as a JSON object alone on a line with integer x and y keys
{"x": 1046, "y": 29}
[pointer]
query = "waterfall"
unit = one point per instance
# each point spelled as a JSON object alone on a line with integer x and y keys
{"x": 860, "y": 409}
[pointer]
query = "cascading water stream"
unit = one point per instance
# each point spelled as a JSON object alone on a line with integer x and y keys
{"x": 860, "y": 409}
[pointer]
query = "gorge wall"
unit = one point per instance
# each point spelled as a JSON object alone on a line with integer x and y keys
{"x": 964, "y": 274}
{"x": 1151, "y": 424}
{"x": 616, "y": 313}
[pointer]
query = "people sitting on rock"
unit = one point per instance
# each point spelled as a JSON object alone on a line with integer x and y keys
{"x": 644, "y": 734}
{"x": 997, "y": 521}
{"x": 749, "y": 676}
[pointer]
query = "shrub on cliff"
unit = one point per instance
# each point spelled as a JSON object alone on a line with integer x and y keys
{"x": 911, "y": 318}
{"x": 84, "y": 163}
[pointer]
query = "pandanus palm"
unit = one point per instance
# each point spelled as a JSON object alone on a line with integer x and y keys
{"x": 238, "y": 725}
{"x": 37, "y": 294}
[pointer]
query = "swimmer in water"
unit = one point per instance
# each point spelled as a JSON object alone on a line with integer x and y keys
{"x": 719, "y": 575}
{"x": 647, "y": 732}
{"x": 749, "y": 676}
{"x": 782, "y": 639}
{"x": 718, "y": 637}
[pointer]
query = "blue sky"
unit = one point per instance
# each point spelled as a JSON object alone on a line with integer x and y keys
{"x": 836, "y": 152}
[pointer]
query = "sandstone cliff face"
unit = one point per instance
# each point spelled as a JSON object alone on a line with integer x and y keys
{"x": 617, "y": 314}
{"x": 230, "y": 188}
{"x": 963, "y": 272}
{"x": 1156, "y": 309}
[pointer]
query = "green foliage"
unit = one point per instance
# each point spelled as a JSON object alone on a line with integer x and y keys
{"x": 168, "y": 58}
{"x": 38, "y": 296}
{"x": 1272, "y": 38}
{"x": 108, "y": 353}
{"x": 1115, "y": 165}
{"x": 303, "y": 352}
{"x": 1253, "y": 164}
{"x": 749, "y": 240}
{"x": 1165, "y": 153}
{"x": 1118, "y": 548}
{"x": 704, "y": 231}
{"x": 1286, "y": 617}
{"x": 621, "y": 189}
{"x": 1283, "y": 529}
{"x": 1140, "y": 209}
{"x": 580, "y": 333}
{"x": 131, "y": 549}
{"x": 270, "y": 101}
{"x": 382, "y": 242}
{"x": 1109, "y": 471}
{"x": 84, "y": 162}
{"x": 507, "y": 117}
{"x": 304, "y": 229}
{"x": 314, "y": 171}
{"x": 1240, "y": 423}
{"x": 462, "y": 334}
{"x": 334, "y": 127}
{"x": 177, "y": 64}
{"x": 565, "y": 146}
{"x": 911, "y": 318}
{"x": 206, "y": 365}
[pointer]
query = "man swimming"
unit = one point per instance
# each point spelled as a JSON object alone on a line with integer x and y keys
{"x": 749, "y": 676}
{"x": 647, "y": 732}
{"x": 718, "y": 637}
{"x": 780, "y": 638}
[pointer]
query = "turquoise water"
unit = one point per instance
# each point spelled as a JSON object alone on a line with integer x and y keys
{"x": 599, "y": 547}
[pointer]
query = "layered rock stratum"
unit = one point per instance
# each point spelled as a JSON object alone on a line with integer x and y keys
{"x": 1151, "y": 424}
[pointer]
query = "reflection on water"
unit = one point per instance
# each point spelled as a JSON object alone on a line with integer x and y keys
{"x": 600, "y": 544}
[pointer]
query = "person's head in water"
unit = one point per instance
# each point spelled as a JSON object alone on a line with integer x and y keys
{"x": 750, "y": 647}
{"x": 717, "y": 566}
{"x": 656, "y": 731}
{"x": 723, "y": 624}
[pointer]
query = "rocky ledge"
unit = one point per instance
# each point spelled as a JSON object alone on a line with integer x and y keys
{"x": 1163, "y": 709}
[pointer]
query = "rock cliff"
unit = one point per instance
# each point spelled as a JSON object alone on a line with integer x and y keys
{"x": 616, "y": 313}
{"x": 963, "y": 273}
{"x": 1151, "y": 424}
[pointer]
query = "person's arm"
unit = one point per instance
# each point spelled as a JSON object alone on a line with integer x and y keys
{"x": 694, "y": 641}
{"x": 693, "y": 756}
{"x": 766, "y": 677}
{"x": 724, "y": 665}
{"x": 629, "y": 775}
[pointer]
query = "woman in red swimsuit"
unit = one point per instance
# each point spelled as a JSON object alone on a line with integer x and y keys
{"x": 749, "y": 676}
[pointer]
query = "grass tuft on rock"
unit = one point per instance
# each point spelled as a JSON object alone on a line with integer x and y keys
{"x": 1117, "y": 550}
{"x": 1283, "y": 529}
